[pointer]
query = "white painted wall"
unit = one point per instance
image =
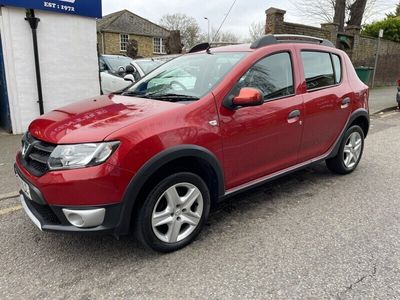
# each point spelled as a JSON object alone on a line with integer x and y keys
{"x": 68, "y": 62}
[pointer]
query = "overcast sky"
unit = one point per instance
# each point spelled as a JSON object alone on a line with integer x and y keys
{"x": 243, "y": 13}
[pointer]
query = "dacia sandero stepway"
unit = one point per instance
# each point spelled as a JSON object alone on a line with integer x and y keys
{"x": 155, "y": 158}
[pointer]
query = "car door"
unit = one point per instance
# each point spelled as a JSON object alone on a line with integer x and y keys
{"x": 327, "y": 102}
{"x": 261, "y": 140}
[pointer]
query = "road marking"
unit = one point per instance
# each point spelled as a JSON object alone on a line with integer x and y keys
{"x": 8, "y": 210}
{"x": 388, "y": 115}
{"x": 9, "y": 195}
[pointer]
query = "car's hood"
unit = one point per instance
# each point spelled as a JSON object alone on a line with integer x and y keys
{"x": 94, "y": 119}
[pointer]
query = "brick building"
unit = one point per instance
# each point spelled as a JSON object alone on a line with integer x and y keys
{"x": 116, "y": 29}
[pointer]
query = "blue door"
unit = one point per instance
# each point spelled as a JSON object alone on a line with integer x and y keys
{"x": 5, "y": 120}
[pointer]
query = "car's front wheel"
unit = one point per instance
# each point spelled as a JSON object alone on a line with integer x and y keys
{"x": 174, "y": 212}
{"x": 350, "y": 152}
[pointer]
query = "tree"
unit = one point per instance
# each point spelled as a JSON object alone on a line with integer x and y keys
{"x": 390, "y": 26}
{"x": 340, "y": 13}
{"x": 132, "y": 48}
{"x": 256, "y": 30}
{"x": 188, "y": 27}
{"x": 355, "y": 11}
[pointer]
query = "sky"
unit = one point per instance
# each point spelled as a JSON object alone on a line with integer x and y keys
{"x": 242, "y": 15}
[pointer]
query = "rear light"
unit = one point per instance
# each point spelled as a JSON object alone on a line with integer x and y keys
{"x": 398, "y": 82}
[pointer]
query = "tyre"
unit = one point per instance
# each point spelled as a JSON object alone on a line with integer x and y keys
{"x": 350, "y": 152}
{"x": 174, "y": 212}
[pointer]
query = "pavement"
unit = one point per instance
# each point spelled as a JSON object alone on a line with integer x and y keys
{"x": 9, "y": 145}
{"x": 381, "y": 98}
{"x": 310, "y": 235}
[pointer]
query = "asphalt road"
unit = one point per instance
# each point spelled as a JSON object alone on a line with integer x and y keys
{"x": 312, "y": 235}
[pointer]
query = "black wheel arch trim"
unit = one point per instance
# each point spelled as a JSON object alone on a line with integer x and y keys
{"x": 153, "y": 165}
{"x": 361, "y": 112}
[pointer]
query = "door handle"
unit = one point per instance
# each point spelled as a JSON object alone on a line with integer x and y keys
{"x": 345, "y": 102}
{"x": 294, "y": 114}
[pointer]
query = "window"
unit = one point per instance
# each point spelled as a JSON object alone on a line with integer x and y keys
{"x": 102, "y": 65}
{"x": 123, "y": 41}
{"x": 159, "y": 47}
{"x": 338, "y": 68}
{"x": 272, "y": 75}
{"x": 190, "y": 75}
{"x": 318, "y": 69}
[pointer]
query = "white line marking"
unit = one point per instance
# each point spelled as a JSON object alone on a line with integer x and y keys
{"x": 8, "y": 210}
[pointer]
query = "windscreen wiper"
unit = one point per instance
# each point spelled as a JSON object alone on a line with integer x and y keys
{"x": 174, "y": 97}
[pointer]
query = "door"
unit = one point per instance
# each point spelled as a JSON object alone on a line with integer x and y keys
{"x": 260, "y": 140}
{"x": 5, "y": 119}
{"x": 327, "y": 103}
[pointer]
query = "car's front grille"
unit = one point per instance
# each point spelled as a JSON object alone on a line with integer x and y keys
{"x": 35, "y": 154}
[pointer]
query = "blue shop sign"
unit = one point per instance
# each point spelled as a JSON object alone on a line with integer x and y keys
{"x": 87, "y": 8}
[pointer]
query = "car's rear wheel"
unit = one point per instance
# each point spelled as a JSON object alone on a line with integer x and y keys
{"x": 174, "y": 212}
{"x": 350, "y": 152}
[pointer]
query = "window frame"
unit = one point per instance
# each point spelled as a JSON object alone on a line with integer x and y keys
{"x": 125, "y": 42}
{"x": 333, "y": 68}
{"x": 288, "y": 51}
{"x": 162, "y": 47}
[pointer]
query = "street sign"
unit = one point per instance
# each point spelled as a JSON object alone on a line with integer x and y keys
{"x": 381, "y": 33}
{"x": 87, "y": 8}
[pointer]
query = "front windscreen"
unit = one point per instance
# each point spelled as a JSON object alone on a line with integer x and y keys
{"x": 186, "y": 78}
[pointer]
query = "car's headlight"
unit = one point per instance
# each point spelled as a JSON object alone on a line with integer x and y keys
{"x": 80, "y": 155}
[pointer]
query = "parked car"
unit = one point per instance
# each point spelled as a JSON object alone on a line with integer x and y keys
{"x": 398, "y": 93}
{"x": 198, "y": 129}
{"x": 115, "y": 76}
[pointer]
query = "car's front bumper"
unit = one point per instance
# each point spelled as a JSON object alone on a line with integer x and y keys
{"x": 53, "y": 217}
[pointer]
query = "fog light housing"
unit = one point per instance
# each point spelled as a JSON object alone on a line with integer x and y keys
{"x": 85, "y": 218}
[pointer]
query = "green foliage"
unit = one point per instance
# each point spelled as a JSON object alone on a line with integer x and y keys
{"x": 390, "y": 25}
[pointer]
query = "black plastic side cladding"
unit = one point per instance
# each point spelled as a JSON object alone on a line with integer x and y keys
{"x": 156, "y": 163}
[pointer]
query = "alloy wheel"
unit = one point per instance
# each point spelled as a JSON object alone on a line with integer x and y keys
{"x": 177, "y": 212}
{"x": 352, "y": 150}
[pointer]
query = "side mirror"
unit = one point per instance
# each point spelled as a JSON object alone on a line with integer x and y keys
{"x": 129, "y": 69}
{"x": 129, "y": 77}
{"x": 248, "y": 97}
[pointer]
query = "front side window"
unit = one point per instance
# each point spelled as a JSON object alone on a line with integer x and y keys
{"x": 318, "y": 69}
{"x": 272, "y": 75}
{"x": 186, "y": 78}
{"x": 159, "y": 47}
{"x": 124, "y": 39}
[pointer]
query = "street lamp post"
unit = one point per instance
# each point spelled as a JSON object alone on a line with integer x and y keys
{"x": 208, "y": 21}
{"x": 377, "y": 55}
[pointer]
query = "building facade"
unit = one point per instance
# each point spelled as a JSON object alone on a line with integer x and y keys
{"x": 115, "y": 30}
{"x": 68, "y": 63}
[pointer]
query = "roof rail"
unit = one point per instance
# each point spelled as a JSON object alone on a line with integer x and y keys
{"x": 271, "y": 39}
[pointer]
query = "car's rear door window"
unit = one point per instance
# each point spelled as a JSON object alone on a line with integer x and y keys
{"x": 272, "y": 75}
{"x": 338, "y": 68}
{"x": 318, "y": 69}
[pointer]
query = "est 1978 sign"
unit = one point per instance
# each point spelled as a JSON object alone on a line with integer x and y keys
{"x": 87, "y": 8}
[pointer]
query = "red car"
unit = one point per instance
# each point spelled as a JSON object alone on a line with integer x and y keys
{"x": 204, "y": 126}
